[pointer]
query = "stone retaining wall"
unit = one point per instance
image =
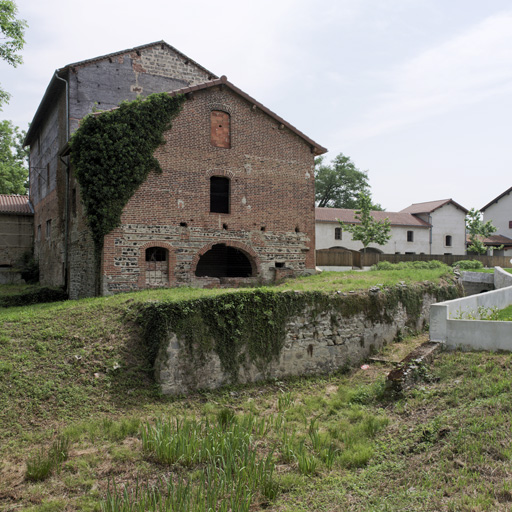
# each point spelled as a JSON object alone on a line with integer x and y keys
{"x": 315, "y": 342}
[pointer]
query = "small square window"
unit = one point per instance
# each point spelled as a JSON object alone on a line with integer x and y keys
{"x": 338, "y": 233}
{"x": 410, "y": 236}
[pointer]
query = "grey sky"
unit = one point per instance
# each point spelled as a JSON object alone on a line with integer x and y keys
{"x": 418, "y": 92}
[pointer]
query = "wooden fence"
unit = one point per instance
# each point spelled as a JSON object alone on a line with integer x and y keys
{"x": 344, "y": 258}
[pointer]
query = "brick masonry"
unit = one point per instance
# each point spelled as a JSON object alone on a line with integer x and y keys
{"x": 271, "y": 218}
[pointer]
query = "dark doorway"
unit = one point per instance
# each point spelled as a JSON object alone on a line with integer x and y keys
{"x": 224, "y": 261}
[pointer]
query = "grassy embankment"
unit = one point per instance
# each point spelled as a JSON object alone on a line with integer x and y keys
{"x": 75, "y": 385}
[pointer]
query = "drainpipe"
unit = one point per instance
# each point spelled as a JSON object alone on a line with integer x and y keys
{"x": 66, "y": 194}
{"x": 430, "y": 233}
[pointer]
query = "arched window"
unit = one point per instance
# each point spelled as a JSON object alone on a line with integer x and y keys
{"x": 219, "y": 194}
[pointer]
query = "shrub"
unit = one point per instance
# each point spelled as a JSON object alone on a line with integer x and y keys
{"x": 36, "y": 296}
{"x": 468, "y": 264}
{"x": 403, "y": 265}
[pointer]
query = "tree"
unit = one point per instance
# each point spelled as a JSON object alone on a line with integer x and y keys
{"x": 478, "y": 231}
{"x": 12, "y": 40}
{"x": 338, "y": 185}
{"x": 13, "y": 160}
{"x": 368, "y": 230}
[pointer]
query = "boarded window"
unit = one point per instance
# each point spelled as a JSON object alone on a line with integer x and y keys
{"x": 220, "y": 124}
{"x": 448, "y": 241}
{"x": 219, "y": 194}
{"x": 224, "y": 261}
{"x": 157, "y": 268}
{"x": 337, "y": 233}
{"x": 410, "y": 236}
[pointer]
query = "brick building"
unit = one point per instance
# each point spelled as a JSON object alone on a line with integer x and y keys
{"x": 235, "y": 199}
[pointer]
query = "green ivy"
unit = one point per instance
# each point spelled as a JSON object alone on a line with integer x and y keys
{"x": 250, "y": 326}
{"x": 112, "y": 154}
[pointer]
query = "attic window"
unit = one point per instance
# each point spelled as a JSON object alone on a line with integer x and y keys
{"x": 220, "y": 129}
{"x": 219, "y": 194}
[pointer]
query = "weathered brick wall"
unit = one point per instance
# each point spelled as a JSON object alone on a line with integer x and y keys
{"x": 16, "y": 237}
{"x": 102, "y": 83}
{"x": 271, "y": 215}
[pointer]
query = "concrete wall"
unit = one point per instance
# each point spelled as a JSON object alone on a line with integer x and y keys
{"x": 315, "y": 343}
{"x": 472, "y": 334}
{"x": 502, "y": 278}
{"x": 398, "y": 244}
{"x": 16, "y": 237}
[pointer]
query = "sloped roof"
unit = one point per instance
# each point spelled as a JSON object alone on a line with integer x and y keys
{"x": 56, "y": 83}
{"x": 494, "y": 240}
{"x": 348, "y": 216}
{"x": 430, "y": 206}
{"x": 496, "y": 199}
{"x": 13, "y": 203}
{"x": 316, "y": 148}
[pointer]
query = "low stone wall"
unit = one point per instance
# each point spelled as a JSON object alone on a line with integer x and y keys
{"x": 502, "y": 278}
{"x": 317, "y": 338}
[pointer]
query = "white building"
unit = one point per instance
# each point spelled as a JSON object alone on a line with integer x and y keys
{"x": 499, "y": 212}
{"x": 435, "y": 227}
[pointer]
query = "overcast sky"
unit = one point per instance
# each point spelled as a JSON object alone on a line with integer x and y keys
{"x": 417, "y": 92}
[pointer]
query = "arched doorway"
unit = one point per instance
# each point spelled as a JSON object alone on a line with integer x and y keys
{"x": 157, "y": 267}
{"x": 224, "y": 261}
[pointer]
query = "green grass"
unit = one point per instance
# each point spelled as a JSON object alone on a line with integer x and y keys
{"x": 505, "y": 314}
{"x": 76, "y": 371}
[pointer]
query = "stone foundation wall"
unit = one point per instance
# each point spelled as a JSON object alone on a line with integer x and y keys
{"x": 316, "y": 342}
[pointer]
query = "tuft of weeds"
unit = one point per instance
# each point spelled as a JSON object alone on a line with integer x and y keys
{"x": 42, "y": 464}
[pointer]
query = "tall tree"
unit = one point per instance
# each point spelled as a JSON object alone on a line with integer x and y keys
{"x": 13, "y": 160}
{"x": 368, "y": 230}
{"x": 339, "y": 184}
{"x": 12, "y": 32}
{"x": 478, "y": 231}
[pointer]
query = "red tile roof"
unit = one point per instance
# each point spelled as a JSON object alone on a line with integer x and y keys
{"x": 10, "y": 203}
{"x": 494, "y": 240}
{"x": 348, "y": 216}
{"x": 430, "y": 206}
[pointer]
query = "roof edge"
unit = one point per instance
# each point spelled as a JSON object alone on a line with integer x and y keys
{"x": 496, "y": 199}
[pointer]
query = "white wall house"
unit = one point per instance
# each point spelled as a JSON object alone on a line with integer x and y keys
{"x": 499, "y": 212}
{"x": 436, "y": 227}
{"x": 448, "y": 221}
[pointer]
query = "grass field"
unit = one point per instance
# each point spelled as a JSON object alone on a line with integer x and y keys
{"x": 83, "y": 427}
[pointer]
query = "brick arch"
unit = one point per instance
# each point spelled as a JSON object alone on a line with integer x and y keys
{"x": 253, "y": 257}
{"x": 219, "y": 172}
{"x": 171, "y": 261}
{"x": 223, "y": 107}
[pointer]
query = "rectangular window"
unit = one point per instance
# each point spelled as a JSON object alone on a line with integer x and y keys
{"x": 510, "y": 224}
{"x": 48, "y": 229}
{"x": 410, "y": 236}
{"x": 448, "y": 240}
{"x": 338, "y": 233}
{"x": 38, "y": 236}
{"x": 220, "y": 129}
{"x": 219, "y": 194}
{"x": 47, "y": 177}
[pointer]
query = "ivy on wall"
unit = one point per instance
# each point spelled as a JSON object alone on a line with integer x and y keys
{"x": 250, "y": 327}
{"x": 112, "y": 155}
